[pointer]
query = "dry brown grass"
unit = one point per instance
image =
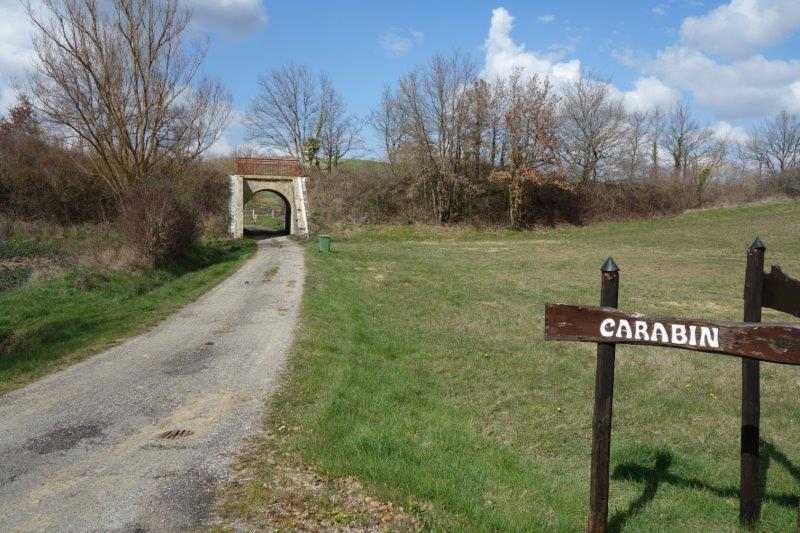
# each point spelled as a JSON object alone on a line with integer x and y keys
{"x": 46, "y": 251}
{"x": 274, "y": 491}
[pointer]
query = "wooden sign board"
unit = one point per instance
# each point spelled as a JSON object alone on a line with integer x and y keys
{"x": 751, "y": 340}
{"x": 781, "y": 292}
{"x": 773, "y": 342}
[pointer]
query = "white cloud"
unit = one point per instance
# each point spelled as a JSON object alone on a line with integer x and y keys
{"x": 716, "y": 60}
{"x": 504, "y": 56}
{"x": 16, "y": 51}
{"x": 628, "y": 57}
{"x": 659, "y": 10}
{"x": 229, "y": 16}
{"x": 224, "y": 146}
{"x": 649, "y": 93}
{"x": 725, "y": 131}
{"x": 751, "y": 87}
{"x": 399, "y": 42}
{"x": 795, "y": 89}
{"x": 15, "y": 37}
{"x": 8, "y": 98}
{"x": 547, "y": 19}
{"x": 742, "y": 26}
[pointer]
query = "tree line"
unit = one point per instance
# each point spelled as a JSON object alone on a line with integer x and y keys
{"x": 117, "y": 102}
{"x": 450, "y": 136}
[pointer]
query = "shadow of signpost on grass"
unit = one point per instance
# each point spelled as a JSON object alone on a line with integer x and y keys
{"x": 654, "y": 476}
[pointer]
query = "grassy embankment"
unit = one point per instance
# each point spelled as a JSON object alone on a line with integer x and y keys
{"x": 421, "y": 371}
{"x": 76, "y": 308}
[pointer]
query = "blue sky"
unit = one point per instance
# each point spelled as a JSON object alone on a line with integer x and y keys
{"x": 345, "y": 38}
{"x": 733, "y": 61}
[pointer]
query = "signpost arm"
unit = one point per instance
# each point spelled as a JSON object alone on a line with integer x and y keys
{"x": 750, "y": 497}
{"x": 603, "y": 403}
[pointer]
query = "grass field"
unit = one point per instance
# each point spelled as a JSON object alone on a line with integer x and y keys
{"x": 52, "y": 322}
{"x": 263, "y": 222}
{"x": 420, "y": 370}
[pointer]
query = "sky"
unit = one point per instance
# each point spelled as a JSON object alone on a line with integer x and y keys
{"x": 733, "y": 62}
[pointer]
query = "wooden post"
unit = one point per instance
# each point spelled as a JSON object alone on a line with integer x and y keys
{"x": 603, "y": 403}
{"x": 750, "y": 497}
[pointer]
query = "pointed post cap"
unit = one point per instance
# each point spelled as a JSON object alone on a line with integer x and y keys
{"x": 609, "y": 266}
{"x": 758, "y": 245}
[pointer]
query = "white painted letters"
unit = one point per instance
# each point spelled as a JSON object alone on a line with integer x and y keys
{"x": 677, "y": 334}
{"x": 624, "y": 330}
{"x": 692, "y": 335}
{"x": 709, "y": 337}
{"x": 607, "y": 327}
{"x": 641, "y": 331}
{"x": 659, "y": 329}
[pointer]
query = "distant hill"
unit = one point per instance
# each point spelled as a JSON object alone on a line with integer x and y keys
{"x": 362, "y": 164}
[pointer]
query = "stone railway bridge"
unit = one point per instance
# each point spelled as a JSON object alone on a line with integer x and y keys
{"x": 282, "y": 176}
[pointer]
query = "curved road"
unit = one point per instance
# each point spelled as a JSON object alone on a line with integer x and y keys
{"x": 138, "y": 437}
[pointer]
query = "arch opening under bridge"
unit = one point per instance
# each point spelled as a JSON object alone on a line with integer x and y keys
{"x": 266, "y": 214}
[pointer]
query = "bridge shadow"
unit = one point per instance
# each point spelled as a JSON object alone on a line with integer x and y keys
{"x": 261, "y": 234}
{"x": 653, "y": 477}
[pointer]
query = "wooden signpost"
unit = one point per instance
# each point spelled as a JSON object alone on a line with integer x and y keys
{"x": 750, "y": 340}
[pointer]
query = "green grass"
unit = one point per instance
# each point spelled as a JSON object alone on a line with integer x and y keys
{"x": 421, "y": 370}
{"x": 48, "y": 324}
{"x": 259, "y": 211}
{"x": 367, "y": 165}
{"x": 263, "y": 221}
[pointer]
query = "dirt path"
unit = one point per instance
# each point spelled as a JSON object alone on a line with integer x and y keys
{"x": 138, "y": 437}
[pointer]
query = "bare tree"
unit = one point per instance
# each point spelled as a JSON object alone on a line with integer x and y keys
{"x": 775, "y": 143}
{"x": 340, "y": 133}
{"x": 445, "y": 83}
{"x": 708, "y": 163}
{"x": 685, "y": 139}
{"x": 633, "y": 152}
{"x": 386, "y": 119}
{"x": 530, "y": 129}
{"x": 433, "y": 109}
{"x": 479, "y": 120}
{"x": 655, "y": 127}
{"x": 119, "y": 79}
{"x": 285, "y": 113}
{"x": 592, "y": 122}
{"x": 497, "y": 107}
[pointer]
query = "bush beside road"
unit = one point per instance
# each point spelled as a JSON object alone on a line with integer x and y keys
{"x": 79, "y": 296}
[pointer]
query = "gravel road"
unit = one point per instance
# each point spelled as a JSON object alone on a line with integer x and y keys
{"x": 138, "y": 437}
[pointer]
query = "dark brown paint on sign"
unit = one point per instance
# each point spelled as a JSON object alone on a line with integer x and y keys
{"x": 774, "y": 342}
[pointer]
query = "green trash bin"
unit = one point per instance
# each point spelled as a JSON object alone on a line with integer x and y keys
{"x": 324, "y": 243}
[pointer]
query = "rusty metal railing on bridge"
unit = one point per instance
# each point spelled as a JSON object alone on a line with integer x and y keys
{"x": 268, "y": 166}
